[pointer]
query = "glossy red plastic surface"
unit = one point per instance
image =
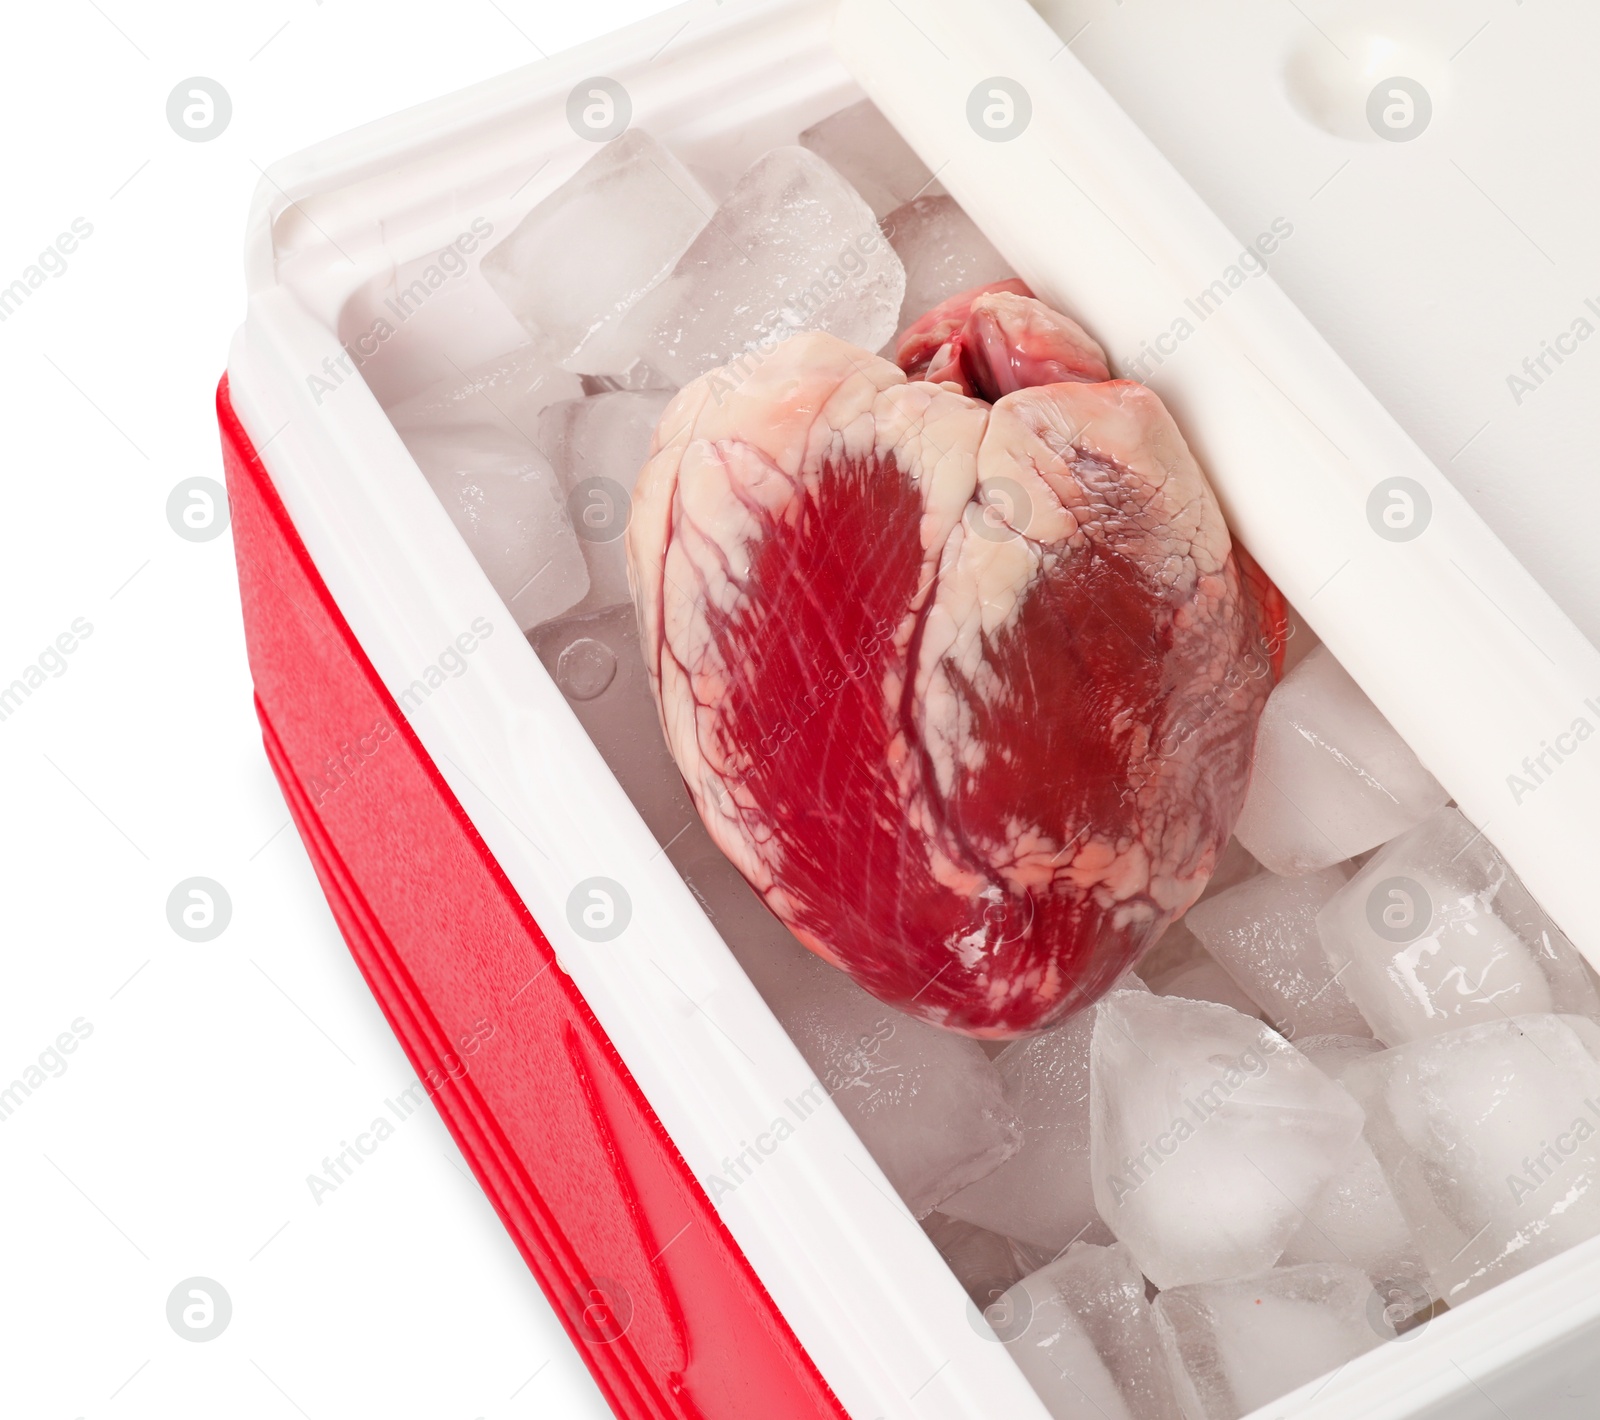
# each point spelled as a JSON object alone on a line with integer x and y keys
{"x": 654, "y": 1292}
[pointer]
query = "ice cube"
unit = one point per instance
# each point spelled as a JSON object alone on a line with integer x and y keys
{"x": 985, "y": 1263}
{"x": 473, "y": 438}
{"x": 1083, "y": 1334}
{"x": 1437, "y": 932}
{"x": 1179, "y": 965}
{"x": 598, "y": 445}
{"x": 1490, "y": 1138}
{"x": 1236, "y": 1346}
{"x": 1331, "y": 777}
{"x": 603, "y": 436}
{"x": 1263, "y": 933}
{"x": 1209, "y": 1136}
{"x": 508, "y": 392}
{"x": 927, "y": 1103}
{"x": 1356, "y": 1219}
{"x": 1043, "y": 1194}
{"x": 792, "y": 248}
{"x": 869, "y": 153}
{"x": 1356, "y": 1222}
{"x": 943, "y": 253}
{"x": 579, "y": 261}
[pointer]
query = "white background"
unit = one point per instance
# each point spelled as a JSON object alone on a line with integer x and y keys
{"x": 177, "y": 1141}
{"x": 218, "y": 1076}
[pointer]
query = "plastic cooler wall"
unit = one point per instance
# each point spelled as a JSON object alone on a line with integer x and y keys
{"x": 652, "y": 1289}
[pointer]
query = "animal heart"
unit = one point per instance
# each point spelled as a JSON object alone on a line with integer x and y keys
{"x": 962, "y": 670}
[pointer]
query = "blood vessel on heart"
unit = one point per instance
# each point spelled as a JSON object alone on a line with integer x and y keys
{"x": 958, "y": 660}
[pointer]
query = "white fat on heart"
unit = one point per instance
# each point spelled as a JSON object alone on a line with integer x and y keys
{"x": 1115, "y": 462}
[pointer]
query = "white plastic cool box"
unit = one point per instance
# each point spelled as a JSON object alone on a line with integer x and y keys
{"x": 1451, "y": 638}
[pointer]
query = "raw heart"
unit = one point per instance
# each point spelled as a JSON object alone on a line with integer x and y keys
{"x": 967, "y": 690}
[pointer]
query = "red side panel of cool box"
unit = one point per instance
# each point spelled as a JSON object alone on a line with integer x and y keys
{"x": 653, "y": 1290}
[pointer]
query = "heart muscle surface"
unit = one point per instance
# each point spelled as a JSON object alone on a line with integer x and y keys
{"x": 960, "y": 667}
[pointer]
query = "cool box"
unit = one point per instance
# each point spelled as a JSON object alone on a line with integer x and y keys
{"x": 627, "y": 1075}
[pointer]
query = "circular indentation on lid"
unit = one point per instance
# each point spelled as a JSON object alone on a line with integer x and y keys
{"x": 585, "y": 668}
{"x": 1366, "y": 74}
